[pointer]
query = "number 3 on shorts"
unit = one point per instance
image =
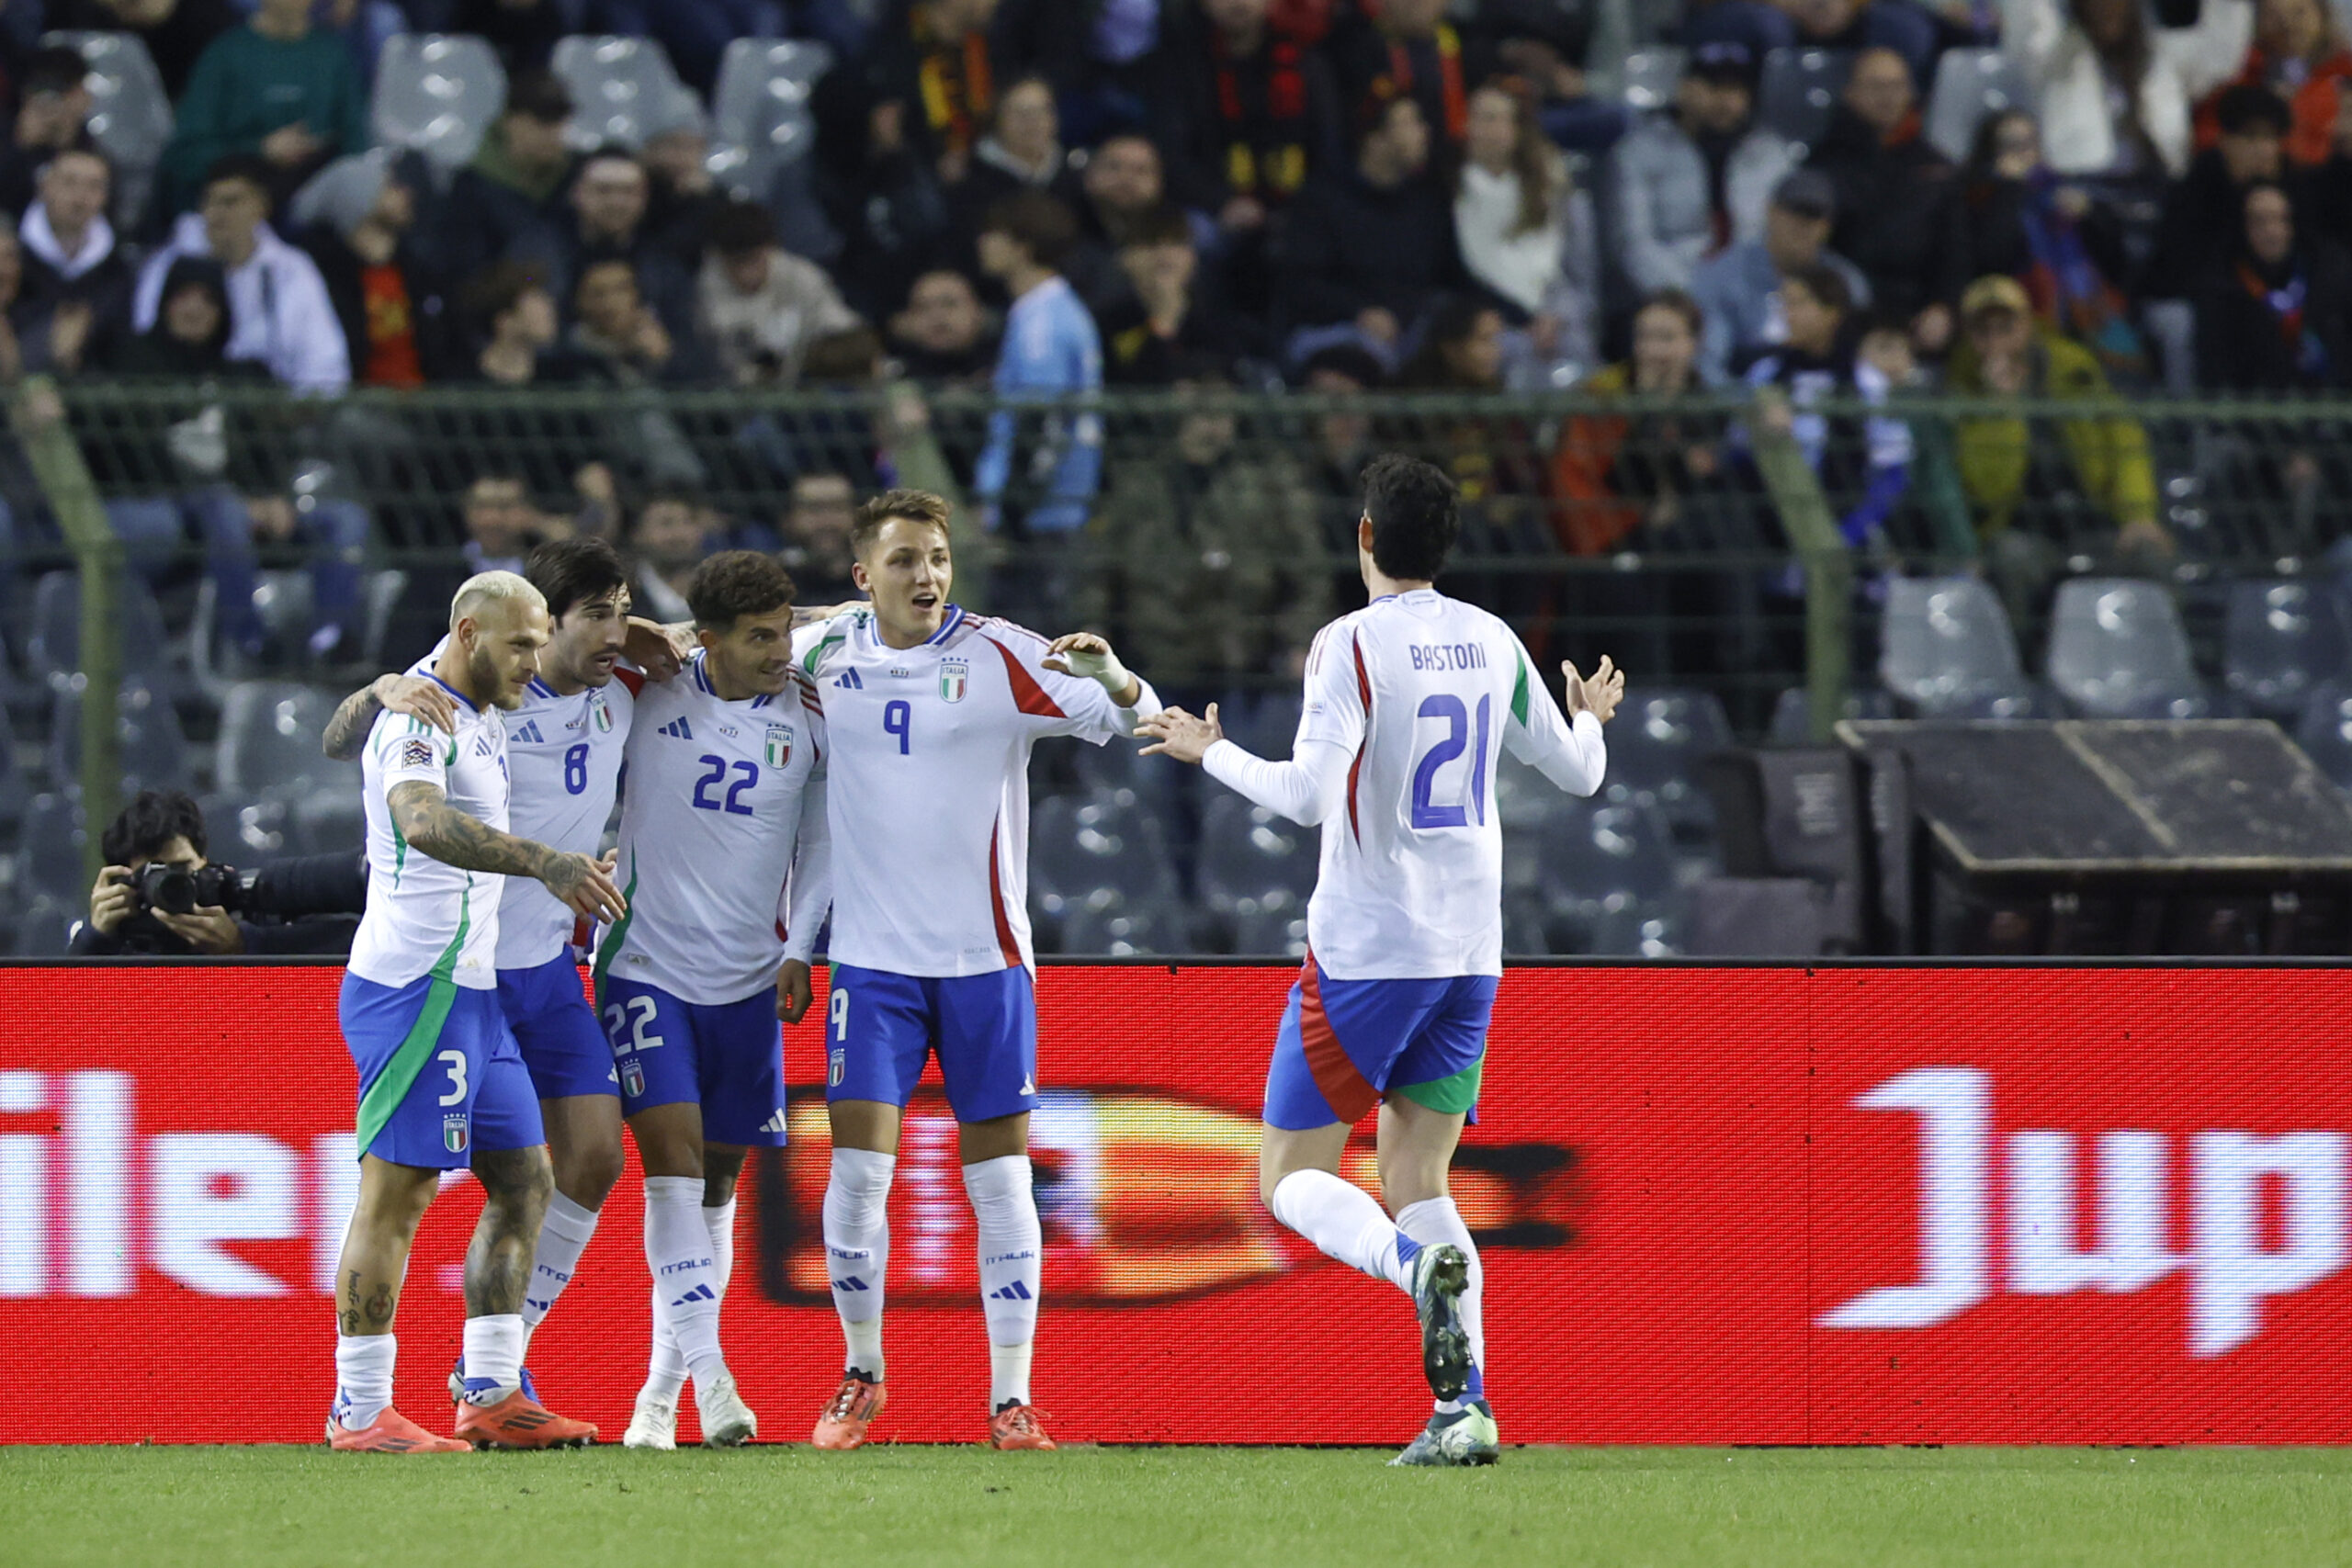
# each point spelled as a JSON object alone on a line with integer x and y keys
{"x": 457, "y": 1061}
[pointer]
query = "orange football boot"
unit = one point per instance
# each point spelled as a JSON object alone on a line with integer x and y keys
{"x": 389, "y": 1433}
{"x": 844, "y": 1420}
{"x": 1016, "y": 1426}
{"x": 518, "y": 1421}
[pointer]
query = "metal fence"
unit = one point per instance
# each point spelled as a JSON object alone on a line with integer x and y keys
{"x": 173, "y": 545}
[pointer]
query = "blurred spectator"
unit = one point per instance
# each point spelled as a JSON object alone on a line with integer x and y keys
{"x": 1545, "y": 45}
{"x": 1051, "y": 351}
{"x": 1405, "y": 49}
{"x": 2113, "y": 88}
{"x": 280, "y": 313}
{"x": 1864, "y": 472}
{"x": 2276, "y": 317}
{"x": 1161, "y": 330}
{"x": 671, "y": 536}
{"x": 881, "y": 194}
{"x": 1739, "y": 291}
{"x": 76, "y": 287}
{"x": 1689, "y": 182}
{"x": 176, "y": 32}
{"x": 355, "y": 217}
{"x": 1343, "y": 443}
{"x": 617, "y": 331}
{"x": 1242, "y": 110}
{"x": 502, "y": 527}
{"x": 509, "y": 201}
{"x": 1893, "y": 191}
{"x": 1023, "y": 150}
{"x": 187, "y": 336}
{"x": 682, "y": 198}
{"x": 1526, "y": 233}
{"x": 2300, "y": 54}
{"x": 1367, "y": 249}
{"x": 2017, "y": 217}
{"x": 524, "y": 33}
{"x": 933, "y": 65}
{"x": 2202, "y": 213}
{"x": 2039, "y": 487}
{"x": 609, "y": 200}
{"x": 1208, "y": 563}
{"x": 1491, "y": 457}
{"x": 308, "y": 903}
{"x": 1119, "y": 190}
{"x": 1856, "y": 25}
{"x": 1623, "y": 477}
{"x": 759, "y": 307}
{"x": 275, "y": 88}
{"x": 516, "y": 316}
{"x": 816, "y": 538}
{"x": 695, "y": 35}
{"x": 943, "y": 334}
{"x": 53, "y": 114}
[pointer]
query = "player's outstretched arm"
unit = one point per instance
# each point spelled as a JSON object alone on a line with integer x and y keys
{"x": 1089, "y": 658}
{"x": 660, "y": 650}
{"x": 1175, "y": 733}
{"x": 427, "y": 820}
{"x": 1307, "y": 789}
{"x": 1566, "y": 749}
{"x": 346, "y": 732}
{"x": 1598, "y": 696}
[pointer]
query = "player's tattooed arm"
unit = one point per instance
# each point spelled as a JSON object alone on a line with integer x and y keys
{"x": 427, "y": 820}
{"x": 346, "y": 732}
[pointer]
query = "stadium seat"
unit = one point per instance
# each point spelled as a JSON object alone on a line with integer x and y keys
{"x": 623, "y": 90}
{"x": 45, "y": 928}
{"x": 130, "y": 117}
{"x": 53, "y": 647}
{"x": 1651, "y": 76}
{"x": 48, "y": 859}
{"x": 243, "y": 830}
{"x": 269, "y": 742}
{"x": 1607, "y": 872}
{"x": 2117, "y": 650}
{"x": 1271, "y": 932}
{"x": 1252, "y": 858}
{"x": 153, "y": 748}
{"x": 2284, "y": 640}
{"x": 760, "y": 119}
{"x": 1799, "y": 89}
{"x": 330, "y": 821}
{"x": 1654, "y": 743}
{"x": 1103, "y": 853}
{"x": 1970, "y": 85}
{"x": 1125, "y": 931}
{"x": 438, "y": 94}
{"x": 1946, "y": 648}
{"x": 1792, "y": 721}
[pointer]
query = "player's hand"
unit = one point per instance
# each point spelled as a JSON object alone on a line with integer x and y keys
{"x": 1599, "y": 695}
{"x": 112, "y": 900}
{"x": 1089, "y": 658}
{"x": 809, "y": 614}
{"x": 207, "y": 928}
{"x": 1180, "y": 735}
{"x": 792, "y": 991}
{"x": 417, "y": 697}
{"x": 585, "y": 887}
{"x": 656, "y": 649}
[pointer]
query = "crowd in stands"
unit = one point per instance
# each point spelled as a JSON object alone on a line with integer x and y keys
{"x": 1047, "y": 197}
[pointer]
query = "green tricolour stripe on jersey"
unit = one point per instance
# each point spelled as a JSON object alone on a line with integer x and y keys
{"x": 817, "y": 654}
{"x": 391, "y": 1086}
{"x": 1450, "y": 1095}
{"x": 611, "y": 946}
{"x": 1518, "y": 694}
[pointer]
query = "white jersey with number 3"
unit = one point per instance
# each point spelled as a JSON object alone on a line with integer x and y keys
{"x": 1415, "y": 696}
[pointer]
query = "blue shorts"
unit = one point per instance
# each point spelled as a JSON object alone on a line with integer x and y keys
{"x": 726, "y": 1058}
{"x": 556, "y": 1030}
{"x": 439, "y": 1076}
{"x": 880, "y": 1028}
{"x": 1344, "y": 1043}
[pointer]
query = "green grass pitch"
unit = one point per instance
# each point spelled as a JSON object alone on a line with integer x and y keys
{"x": 1130, "y": 1508}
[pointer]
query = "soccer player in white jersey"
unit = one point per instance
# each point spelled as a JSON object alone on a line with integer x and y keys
{"x": 1409, "y": 702}
{"x": 932, "y": 714}
{"x": 441, "y": 1086}
{"x": 564, "y": 743}
{"x": 722, "y": 855}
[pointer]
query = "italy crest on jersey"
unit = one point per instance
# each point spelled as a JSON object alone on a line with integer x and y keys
{"x": 779, "y": 745}
{"x": 598, "y": 714}
{"x": 453, "y": 1133}
{"x": 955, "y": 674}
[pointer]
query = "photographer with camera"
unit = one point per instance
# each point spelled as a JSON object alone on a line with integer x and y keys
{"x": 160, "y": 897}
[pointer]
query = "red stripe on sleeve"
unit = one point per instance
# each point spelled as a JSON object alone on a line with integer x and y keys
{"x": 1027, "y": 696}
{"x": 1004, "y": 939}
{"x": 633, "y": 679}
{"x": 1355, "y": 768}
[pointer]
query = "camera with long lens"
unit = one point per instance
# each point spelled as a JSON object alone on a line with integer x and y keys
{"x": 175, "y": 890}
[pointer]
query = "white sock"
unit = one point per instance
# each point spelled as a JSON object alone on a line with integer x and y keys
{"x": 1012, "y": 1245}
{"x": 563, "y": 1236}
{"x": 720, "y": 1223}
{"x": 493, "y": 1355}
{"x": 666, "y": 1374}
{"x": 857, "y": 1251}
{"x": 1347, "y": 1222}
{"x": 1436, "y": 1221}
{"x": 677, "y": 1248}
{"x": 363, "y": 1378}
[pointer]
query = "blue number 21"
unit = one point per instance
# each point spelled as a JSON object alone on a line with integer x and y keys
{"x": 1457, "y": 722}
{"x": 717, "y": 766}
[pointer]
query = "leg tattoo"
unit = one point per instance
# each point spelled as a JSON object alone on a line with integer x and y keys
{"x": 498, "y": 1264}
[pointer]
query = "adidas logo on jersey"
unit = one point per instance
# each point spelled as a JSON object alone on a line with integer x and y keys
{"x": 773, "y": 1124}
{"x": 699, "y": 1293}
{"x": 529, "y": 735}
{"x": 677, "y": 730}
{"x": 849, "y": 681}
{"x": 1015, "y": 1292}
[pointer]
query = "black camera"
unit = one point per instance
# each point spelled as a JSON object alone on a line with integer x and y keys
{"x": 177, "y": 890}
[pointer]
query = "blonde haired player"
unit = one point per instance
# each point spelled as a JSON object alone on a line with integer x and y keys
{"x": 1409, "y": 703}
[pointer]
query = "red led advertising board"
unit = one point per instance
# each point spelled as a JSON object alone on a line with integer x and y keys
{"x": 1768, "y": 1205}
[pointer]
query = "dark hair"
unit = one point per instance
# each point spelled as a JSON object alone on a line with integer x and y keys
{"x": 602, "y": 263}
{"x": 92, "y": 151}
{"x": 1036, "y": 222}
{"x": 914, "y": 505}
{"x": 2246, "y": 107}
{"x": 1346, "y": 359}
{"x": 1985, "y": 148}
{"x": 1455, "y": 320}
{"x": 1681, "y": 302}
{"x": 148, "y": 823}
{"x": 250, "y": 167}
{"x": 1826, "y": 284}
{"x": 496, "y": 289}
{"x": 738, "y": 227}
{"x": 56, "y": 69}
{"x": 1163, "y": 225}
{"x": 571, "y": 572}
{"x": 538, "y": 93}
{"x": 735, "y": 583}
{"x": 1413, "y": 516}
